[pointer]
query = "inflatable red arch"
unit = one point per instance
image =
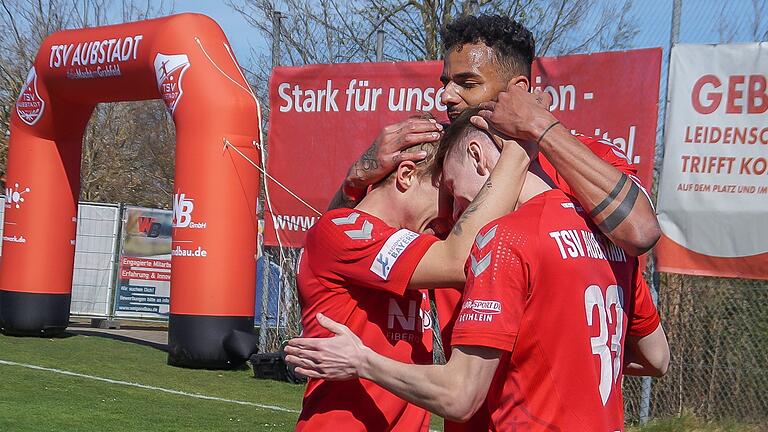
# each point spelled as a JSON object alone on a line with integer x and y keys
{"x": 185, "y": 60}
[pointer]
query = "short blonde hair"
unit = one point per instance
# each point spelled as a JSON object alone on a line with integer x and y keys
{"x": 424, "y": 167}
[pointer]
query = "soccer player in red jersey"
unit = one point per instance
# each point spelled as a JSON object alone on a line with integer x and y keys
{"x": 367, "y": 267}
{"x": 553, "y": 314}
{"x": 482, "y": 56}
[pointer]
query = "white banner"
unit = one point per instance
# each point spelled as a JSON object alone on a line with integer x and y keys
{"x": 713, "y": 194}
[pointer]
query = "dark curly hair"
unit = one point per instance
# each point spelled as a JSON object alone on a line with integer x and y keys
{"x": 512, "y": 43}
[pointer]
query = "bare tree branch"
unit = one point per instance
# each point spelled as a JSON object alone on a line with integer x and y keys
{"x": 116, "y": 133}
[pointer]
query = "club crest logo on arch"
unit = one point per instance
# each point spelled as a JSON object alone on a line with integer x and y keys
{"x": 29, "y": 105}
{"x": 169, "y": 70}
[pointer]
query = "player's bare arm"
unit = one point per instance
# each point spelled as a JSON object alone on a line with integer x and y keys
{"x": 383, "y": 157}
{"x": 647, "y": 355}
{"x": 443, "y": 264}
{"x": 615, "y": 202}
{"x": 433, "y": 387}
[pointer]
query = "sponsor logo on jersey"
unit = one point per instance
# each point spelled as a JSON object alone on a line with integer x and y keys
{"x": 479, "y": 310}
{"x": 363, "y": 233}
{"x": 482, "y": 240}
{"x": 391, "y": 251}
{"x": 29, "y": 105}
{"x": 395, "y": 313}
{"x": 348, "y": 220}
{"x": 170, "y": 70}
{"x": 483, "y": 306}
{"x": 404, "y": 325}
{"x": 478, "y": 265}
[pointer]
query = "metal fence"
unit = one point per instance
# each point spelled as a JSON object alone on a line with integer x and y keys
{"x": 93, "y": 279}
{"x": 718, "y": 336}
{"x": 717, "y": 327}
{"x": 288, "y": 319}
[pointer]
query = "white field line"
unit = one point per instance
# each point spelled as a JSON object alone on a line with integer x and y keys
{"x": 147, "y": 387}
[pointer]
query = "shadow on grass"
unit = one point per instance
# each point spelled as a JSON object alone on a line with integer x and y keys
{"x": 58, "y": 335}
{"x": 135, "y": 340}
{"x": 119, "y": 337}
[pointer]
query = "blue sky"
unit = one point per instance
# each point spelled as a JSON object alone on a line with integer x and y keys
{"x": 240, "y": 34}
{"x": 700, "y": 22}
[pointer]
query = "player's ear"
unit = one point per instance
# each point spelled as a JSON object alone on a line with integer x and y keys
{"x": 521, "y": 81}
{"x": 477, "y": 157}
{"x": 406, "y": 175}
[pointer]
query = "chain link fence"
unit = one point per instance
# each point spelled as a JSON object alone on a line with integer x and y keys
{"x": 96, "y": 261}
{"x": 718, "y": 336}
{"x": 717, "y": 327}
{"x": 282, "y": 290}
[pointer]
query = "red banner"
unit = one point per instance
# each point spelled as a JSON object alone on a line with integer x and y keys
{"x": 322, "y": 117}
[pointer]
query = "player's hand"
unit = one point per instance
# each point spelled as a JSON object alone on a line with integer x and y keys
{"x": 527, "y": 150}
{"x": 336, "y": 358}
{"x": 384, "y": 155}
{"x": 518, "y": 113}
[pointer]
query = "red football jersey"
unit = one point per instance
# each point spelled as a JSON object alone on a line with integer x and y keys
{"x": 355, "y": 269}
{"x": 548, "y": 289}
{"x": 605, "y": 150}
{"x": 446, "y": 301}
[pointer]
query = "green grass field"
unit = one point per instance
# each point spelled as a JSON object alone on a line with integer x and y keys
{"x": 41, "y": 400}
{"x": 37, "y": 400}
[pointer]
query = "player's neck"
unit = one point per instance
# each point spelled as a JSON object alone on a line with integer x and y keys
{"x": 534, "y": 184}
{"x": 380, "y": 203}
